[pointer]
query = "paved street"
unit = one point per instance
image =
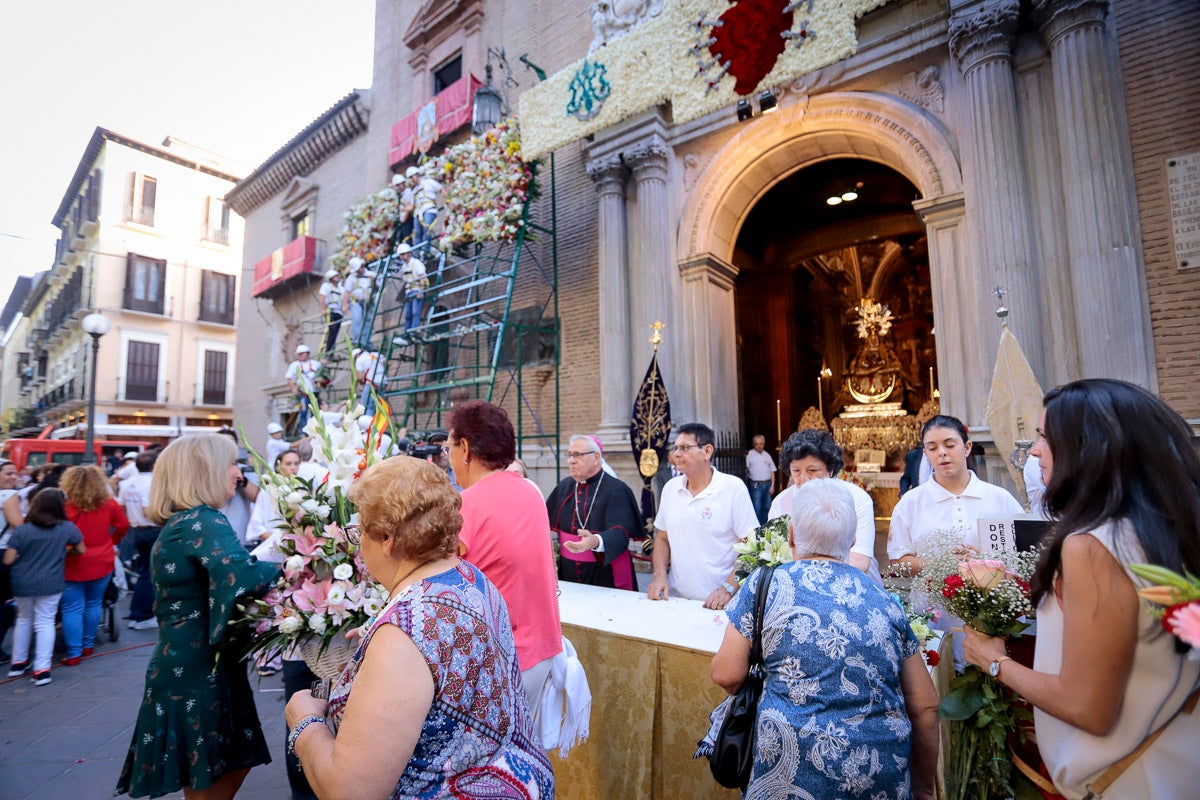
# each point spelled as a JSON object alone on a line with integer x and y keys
{"x": 67, "y": 740}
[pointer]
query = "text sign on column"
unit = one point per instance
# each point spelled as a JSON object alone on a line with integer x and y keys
{"x": 1183, "y": 189}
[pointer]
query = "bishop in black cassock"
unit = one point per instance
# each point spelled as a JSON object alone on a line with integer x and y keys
{"x": 593, "y": 514}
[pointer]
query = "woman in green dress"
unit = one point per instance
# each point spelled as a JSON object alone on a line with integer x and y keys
{"x": 198, "y": 727}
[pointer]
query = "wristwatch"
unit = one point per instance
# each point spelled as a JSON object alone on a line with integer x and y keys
{"x": 732, "y": 589}
{"x": 994, "y": 667}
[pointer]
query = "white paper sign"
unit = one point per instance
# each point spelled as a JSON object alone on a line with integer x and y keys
{"x": 998, "y": 535}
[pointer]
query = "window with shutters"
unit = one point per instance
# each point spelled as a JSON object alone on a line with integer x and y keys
{"x": 216, "y": 373}
{"x": 92, "y": 196}
{"x": 216, "y": 297}
{"x": 145, "y": 283}
{"x": 141, "y": 370}
{"x": 143, "y": 191}
{"x": 216, "y": 221}
{"x": 301, "y": 226}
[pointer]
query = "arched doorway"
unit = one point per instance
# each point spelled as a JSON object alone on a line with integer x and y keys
{"x": 728, "y": 184}
{"x": 816, "y": 245}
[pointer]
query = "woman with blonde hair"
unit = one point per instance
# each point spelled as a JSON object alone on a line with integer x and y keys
{"x": 198, "y": 727}
{"x": 103, "y": 523}
{"x": 457, "y": 723}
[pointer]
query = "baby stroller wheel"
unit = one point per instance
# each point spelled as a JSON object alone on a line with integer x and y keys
{"x": 109, "y": 609}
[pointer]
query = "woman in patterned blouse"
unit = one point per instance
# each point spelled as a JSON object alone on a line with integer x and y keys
{"x": 848, "y": 708}
{"x": 457, "y": 723}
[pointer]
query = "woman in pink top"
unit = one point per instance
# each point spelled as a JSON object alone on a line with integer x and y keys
{"x": 506, "y": 534}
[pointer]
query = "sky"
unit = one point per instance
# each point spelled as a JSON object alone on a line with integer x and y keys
{"x": 237, "y": 77}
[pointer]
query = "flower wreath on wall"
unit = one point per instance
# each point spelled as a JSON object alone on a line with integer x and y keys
{"x": 487, "y": 183}
{"x": 368, "y": 229}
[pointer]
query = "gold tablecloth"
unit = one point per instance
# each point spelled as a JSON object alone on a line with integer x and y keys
{"x": 650, "y": 707}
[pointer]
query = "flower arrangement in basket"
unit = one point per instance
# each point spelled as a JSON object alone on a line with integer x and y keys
{"x": 487, "y": 184}
{"x": 368, "y": 229}
{"x": 767, "y": 545}
{"x": 1179, "y": 596}
{"x": 989, "y": 592}
{"x": 325, "y": 590}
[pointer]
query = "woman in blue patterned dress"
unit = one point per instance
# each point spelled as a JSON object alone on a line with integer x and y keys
{"x": 432, "y": 704}
{"x": 848, "y": 708}
{"x": 198, "y": 728}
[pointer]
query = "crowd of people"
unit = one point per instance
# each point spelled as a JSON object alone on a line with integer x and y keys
{"x": 471, "y": 552}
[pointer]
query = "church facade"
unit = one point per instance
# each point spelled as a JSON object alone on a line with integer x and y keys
{"x": 968, "y": 156}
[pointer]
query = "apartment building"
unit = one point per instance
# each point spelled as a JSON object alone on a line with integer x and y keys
{"x": 147, "y": 241}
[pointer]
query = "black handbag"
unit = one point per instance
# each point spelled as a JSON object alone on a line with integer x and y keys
{"x": 732, "y": 757}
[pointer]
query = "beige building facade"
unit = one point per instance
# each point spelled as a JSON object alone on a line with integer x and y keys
{"x": 989, "y": 144}
{"x": 148, "y": 242}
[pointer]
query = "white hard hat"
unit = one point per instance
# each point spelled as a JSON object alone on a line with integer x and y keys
{"x": 357, "y": 263}
{"x": 404, "y": 247}
{"x": 274, "y": 427}
{"x": 302, "y": 349}
{"x": 129, "y": 455}
{"x": 330, "y": 274}
{"x": 411, "y": 171}
{"x": 397, "y": 179}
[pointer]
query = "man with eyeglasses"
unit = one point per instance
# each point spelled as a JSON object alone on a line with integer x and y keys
{"x": 593, "y": 514}
{"x": 701, "y": 515}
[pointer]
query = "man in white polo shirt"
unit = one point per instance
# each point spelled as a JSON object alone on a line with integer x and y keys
{"x": 701, "y": 515}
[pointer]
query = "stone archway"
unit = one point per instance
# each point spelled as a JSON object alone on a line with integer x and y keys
{"x": 862, "y": 125}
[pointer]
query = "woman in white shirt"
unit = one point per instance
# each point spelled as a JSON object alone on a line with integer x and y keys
{"x": 265, "y": 517}
{"x": 954, "y": 500}
{"x": 1123, "y": 487}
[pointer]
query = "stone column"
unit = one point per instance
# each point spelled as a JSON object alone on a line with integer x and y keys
{"x": 656, "y": 286}
{"x": 616, "y": 394}
{"x": 708, "y": 307}
{"x": 1107, "y": 281}
{"x": 962, "y": 379}
{"x": 994, "y": 170}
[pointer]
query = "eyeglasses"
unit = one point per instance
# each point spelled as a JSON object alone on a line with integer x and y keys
{"x": 353, "y": 534}
{"x": 572, "y": 454}
{"x": 683, "y": 448}
{"x": 445, "y": 450}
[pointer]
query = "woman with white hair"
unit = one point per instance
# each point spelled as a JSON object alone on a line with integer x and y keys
{"x": 848, "y": 707}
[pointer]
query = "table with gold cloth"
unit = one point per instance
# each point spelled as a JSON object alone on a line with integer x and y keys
{"x": 647, "y": 665}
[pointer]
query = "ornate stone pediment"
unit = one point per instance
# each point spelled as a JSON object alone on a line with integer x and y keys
{"x": 438, "y": 18}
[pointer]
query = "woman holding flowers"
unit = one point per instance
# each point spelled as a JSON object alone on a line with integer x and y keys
{"x": 457, "y": 724}
{"x": 1112, "y": 691}
{"x": 198, "y": 728}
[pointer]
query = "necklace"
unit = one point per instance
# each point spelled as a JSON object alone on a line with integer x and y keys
{"x": 582, "y": 523}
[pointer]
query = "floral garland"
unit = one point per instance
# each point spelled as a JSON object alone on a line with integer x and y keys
{"x": 367, "y": 233}
{"x": 325, "y": 590}
{"x": 661, "y": 62}
{"x": 487, "y": 183}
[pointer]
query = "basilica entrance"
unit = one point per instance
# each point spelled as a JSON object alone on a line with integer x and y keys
{"x": 834, "y": 309}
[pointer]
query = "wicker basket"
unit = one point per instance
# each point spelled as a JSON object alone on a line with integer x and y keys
{"x": 327, "y": 664}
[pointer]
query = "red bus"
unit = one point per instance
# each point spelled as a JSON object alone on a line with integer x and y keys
{"x": 35, "y": 452}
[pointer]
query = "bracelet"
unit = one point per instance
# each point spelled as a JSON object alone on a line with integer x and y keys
{"x": 731, "y": 589}
{"x": 299, "y": 729}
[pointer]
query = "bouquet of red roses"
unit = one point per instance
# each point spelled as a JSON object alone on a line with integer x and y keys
{"x": 991, "y": 594}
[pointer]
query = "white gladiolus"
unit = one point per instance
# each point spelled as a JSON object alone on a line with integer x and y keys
{"x": 342, "y": 572}
{"x": 295, "y": 498}
{"x": 290, "y": 625}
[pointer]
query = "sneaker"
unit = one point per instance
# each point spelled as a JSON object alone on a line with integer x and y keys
{"x": 41, "y": 678}
{"x": 70, "y": 661}
{"x": 87, "y": 651}
{"x": 18, "y": 668}
{"x": 144, "y": 624}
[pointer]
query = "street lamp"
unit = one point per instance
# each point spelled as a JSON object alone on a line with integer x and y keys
{"x": 95, "y": 325}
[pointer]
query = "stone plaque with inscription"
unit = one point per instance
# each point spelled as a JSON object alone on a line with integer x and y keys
{"x": 1183, "y": 188}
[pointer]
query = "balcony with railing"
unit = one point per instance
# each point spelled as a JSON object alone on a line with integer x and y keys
{"x": 452, "y": 111}
{"x": 293, "y": 263}
{"x": 216, "y": 235}
{"x": 66, "y": 396}
{"x": 65, "y": 306}
{"x": 140, "y": 214}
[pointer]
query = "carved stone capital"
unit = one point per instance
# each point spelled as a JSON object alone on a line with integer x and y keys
{"x": 608, "y": 173}
{"x": 1056, "y": 18}
{"x": 984, "y": 35}
{"x": 709, "y": 268}
{"x": 649, "y": 158}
